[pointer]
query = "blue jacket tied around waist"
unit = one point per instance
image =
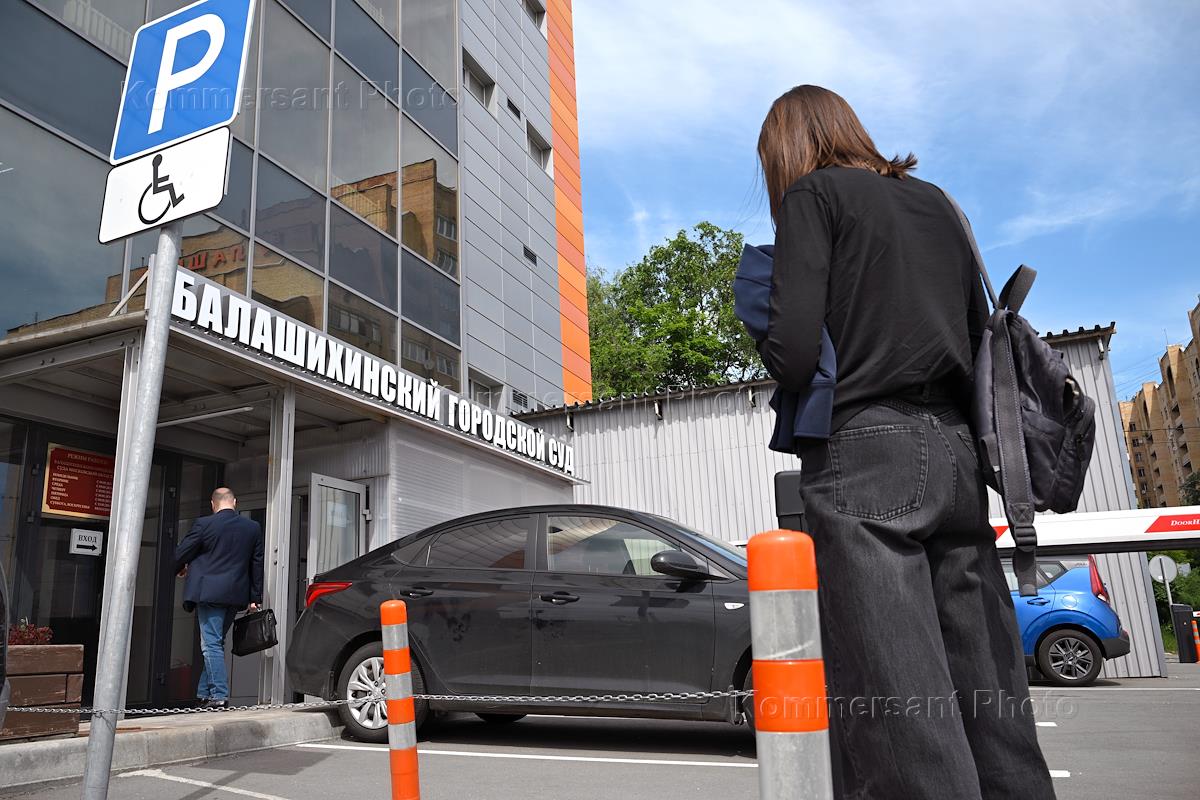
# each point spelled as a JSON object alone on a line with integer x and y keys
{"x": 799, "y": 416}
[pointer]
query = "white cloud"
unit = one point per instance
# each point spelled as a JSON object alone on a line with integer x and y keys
{"x": 1088, "y": 106}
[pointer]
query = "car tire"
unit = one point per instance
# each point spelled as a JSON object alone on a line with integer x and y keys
{"x": 361, "y": 676}
{"x": 500, "y": 719}
{"x": 1068, "y": 657}
{"x": 748, "y": 701}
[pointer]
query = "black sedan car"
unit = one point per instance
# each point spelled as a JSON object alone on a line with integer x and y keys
{"x": 570, "y": 601}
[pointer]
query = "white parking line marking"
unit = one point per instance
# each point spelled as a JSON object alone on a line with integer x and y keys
{"x": 1116, "y": 689}
{"x": 1047, "y": 724}
{"x": 1060, "y": 773}
{"x": 158, "y": 773}
{"x": 530, "y": 757}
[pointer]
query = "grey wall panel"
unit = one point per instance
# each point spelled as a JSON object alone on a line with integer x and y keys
{"x": 519, "y": 351}
{"x": 518, "y": 325}
{"x": 485, "y": 273}
{"x": 519, "y": 376}
{"x": 434, "y": 480}
{"x": 548, "y": 337}
{"x": 483, "y": 328}
{"x": 484, "y": 357}
{"x": 706, "y": 464}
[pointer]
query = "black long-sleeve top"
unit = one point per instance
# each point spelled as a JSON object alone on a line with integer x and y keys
{"x": 885, "y": 264}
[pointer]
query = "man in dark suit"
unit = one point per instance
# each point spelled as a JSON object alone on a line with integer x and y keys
{"x": 222, "y": 559}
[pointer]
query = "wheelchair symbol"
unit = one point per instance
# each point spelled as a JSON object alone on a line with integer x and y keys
{"x": 158, "y": 185}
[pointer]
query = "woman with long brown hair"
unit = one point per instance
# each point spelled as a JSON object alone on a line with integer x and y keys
{"x": 927, "y": 681}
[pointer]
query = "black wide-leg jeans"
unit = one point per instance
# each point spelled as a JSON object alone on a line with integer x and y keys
{"x": 929, "y": 696}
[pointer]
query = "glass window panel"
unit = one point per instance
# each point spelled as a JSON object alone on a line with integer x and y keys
{"x": 486, "y": 545}
{"x": 367, "y": 47}
{"x": 207, "y": 248}
{"x": 314, "y": 12}
{"x": 295, "y": 97}
{"x": 12, "y": 459}
{"x": 289, "y": 215}
{"x": 235, "y": 207}
{"x": 108, "y": 24}
{"x": 362, "y": 258}
{"x": 54, "y": 270}
{"x": 602, "y": 546}
{"x": 385, "y": 12}
{"x": 430, "y": 104}
{"x": 288, "y": 287}
{"x": 430, "y": 298}
{"x": 430, "y": 192}
{"x": 362, "y": 324}
{"x": 428, "y": 33}
{"x": 243, "y": 124}
{"x": 56, "y": 76}
{"x": 366, "y": 133}
{"x": 428, "y": 356}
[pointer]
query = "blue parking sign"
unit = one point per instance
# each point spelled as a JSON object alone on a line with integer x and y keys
{"x": 184, "y": 77}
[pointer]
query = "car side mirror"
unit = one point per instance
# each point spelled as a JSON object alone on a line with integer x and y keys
{"x": 678, "y": 564}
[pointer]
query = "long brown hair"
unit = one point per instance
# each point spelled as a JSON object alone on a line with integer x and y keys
{"x": 810, "y": 127}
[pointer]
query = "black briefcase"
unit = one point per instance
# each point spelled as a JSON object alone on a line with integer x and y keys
{"x": 254, "y": 632}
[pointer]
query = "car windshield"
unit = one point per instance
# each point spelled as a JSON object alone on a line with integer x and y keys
{"x": 727, "y": 549}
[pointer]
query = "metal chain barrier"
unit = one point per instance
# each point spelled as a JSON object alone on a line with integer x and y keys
{"x": 483, "y": 698}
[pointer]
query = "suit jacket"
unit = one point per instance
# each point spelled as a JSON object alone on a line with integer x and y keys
{"x": 224, "y": 557}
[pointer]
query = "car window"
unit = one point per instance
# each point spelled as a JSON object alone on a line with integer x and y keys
{"x": 601, "y": 546}
{"x": 1047, "y": 571}
{"x": 494, "y": 544}
{"x": 414, "y": 551}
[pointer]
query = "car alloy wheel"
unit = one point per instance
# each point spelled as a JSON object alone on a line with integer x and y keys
{"x": 1069, "y": 657}
{"x": 365, "y": 691}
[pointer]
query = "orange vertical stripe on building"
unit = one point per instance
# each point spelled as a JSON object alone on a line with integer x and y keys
{"x": 577, "y": 383}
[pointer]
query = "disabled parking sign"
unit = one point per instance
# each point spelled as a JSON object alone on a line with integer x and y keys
{"x": 185, "y": 76}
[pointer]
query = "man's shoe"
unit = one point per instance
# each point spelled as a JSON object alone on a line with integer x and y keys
{"x": 216, "y": 704}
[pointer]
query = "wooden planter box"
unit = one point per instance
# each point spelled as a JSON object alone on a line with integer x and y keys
{"x": 43, "y": 675}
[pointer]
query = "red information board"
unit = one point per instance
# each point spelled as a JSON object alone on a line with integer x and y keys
{"x": 79, "y": 483}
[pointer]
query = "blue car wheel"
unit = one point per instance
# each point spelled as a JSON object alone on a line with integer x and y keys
{"x": 1069, "y": 657}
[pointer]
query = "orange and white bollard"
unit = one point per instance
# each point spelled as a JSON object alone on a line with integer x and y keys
{"x": 790, "y": 713}
{"x": 401, "y": 713}
{"x": 1196, "y": 637}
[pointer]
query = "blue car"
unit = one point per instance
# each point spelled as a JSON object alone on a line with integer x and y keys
{"x": 1070, "y": 628}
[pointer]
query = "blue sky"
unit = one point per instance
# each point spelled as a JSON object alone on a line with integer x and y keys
{"x": 1069, "y": 132}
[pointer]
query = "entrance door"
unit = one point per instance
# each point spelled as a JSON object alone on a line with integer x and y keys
{"x": 337, "y": 529}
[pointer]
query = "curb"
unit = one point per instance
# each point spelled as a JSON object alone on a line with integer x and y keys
{"x": 158, "y": 741}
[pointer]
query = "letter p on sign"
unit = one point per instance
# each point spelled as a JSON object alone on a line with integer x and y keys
{"x": 185, "y": 76}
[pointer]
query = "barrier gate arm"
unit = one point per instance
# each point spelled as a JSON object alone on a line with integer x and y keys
{"x": 1131, "y": 530}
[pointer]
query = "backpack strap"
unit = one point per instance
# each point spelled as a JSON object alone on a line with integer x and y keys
{"x": 1010, "y": 439}
{"x": 1014, "y": 462}
{"x": 1013, "y": 295}
{"x": 966, "y": 226}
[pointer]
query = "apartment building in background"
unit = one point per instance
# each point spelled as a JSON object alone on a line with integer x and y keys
{"x": 1162, "y": 424}
{"x": 403, "y": 198}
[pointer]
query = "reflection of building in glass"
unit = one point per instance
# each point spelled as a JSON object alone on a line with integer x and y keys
{"x": 429, "y": 226}
{"x": 375, "y": 199}
{"x": 219, "y": 255}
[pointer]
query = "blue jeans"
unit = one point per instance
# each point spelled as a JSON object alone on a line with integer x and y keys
{"x": 215, "y": 622}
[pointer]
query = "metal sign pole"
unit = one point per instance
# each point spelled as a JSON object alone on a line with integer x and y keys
{"x": 134, "y": 480}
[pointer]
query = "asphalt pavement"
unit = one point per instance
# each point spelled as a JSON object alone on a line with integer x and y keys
{"x": 1127, "y": 739}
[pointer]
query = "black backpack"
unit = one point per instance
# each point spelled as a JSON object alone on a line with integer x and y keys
{"x": 1034, "y": 426}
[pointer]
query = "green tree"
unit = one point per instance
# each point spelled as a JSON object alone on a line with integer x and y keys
{"x": 1189, "y": 490}
{"x": 668, "y": 320}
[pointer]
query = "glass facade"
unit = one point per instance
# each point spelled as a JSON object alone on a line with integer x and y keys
{"x": 342, "y": 208}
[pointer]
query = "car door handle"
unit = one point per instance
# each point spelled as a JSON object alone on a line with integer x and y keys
{"x": 416, "y": 591}
{"x": 1037, "y": 601}
{"x": 559, "y": 598}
